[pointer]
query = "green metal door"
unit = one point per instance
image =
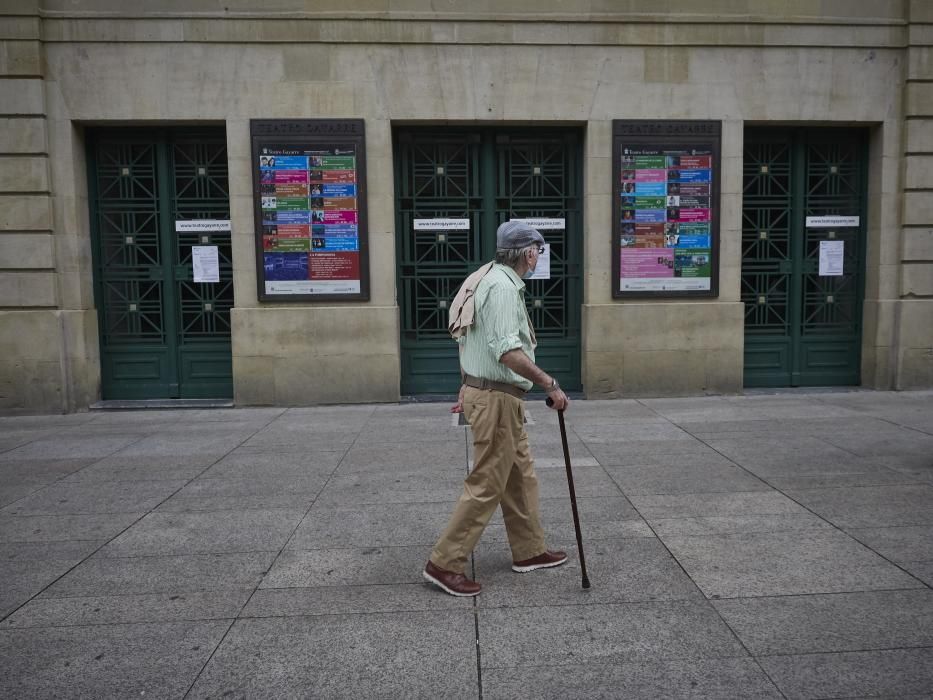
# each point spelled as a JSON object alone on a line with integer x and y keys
{"x": 162, "y": 335}
{"x": 487, "y": 176}
{"x": 802, "y": 328}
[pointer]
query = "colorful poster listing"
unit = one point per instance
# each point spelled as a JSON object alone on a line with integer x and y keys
{"x": 310, "y": 218}
{"x": 666, "y": 228}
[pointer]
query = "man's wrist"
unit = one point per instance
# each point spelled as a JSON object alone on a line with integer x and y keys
{"x": 553, "y": 386}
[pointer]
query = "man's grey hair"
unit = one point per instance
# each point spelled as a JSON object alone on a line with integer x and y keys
{"x": 512, "y": 256}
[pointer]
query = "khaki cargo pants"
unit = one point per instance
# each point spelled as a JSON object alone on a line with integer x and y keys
{"x": 503, "y": 475}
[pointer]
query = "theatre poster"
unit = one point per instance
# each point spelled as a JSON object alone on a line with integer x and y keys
{"x": 665, "y": 208}
{"x": 309, "y": 195}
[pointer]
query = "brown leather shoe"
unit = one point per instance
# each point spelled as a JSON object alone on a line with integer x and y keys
{"x": 455, "y": 584}
{"x": 542, "y": 561}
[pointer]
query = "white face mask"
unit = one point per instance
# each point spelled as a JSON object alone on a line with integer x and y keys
{"x": 531, "y": 270}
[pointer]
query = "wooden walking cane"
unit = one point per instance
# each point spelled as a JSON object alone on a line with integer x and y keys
{"x": 573, "y": 494}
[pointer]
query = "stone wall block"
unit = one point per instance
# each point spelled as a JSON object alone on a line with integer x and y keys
{"x": 20, "y": 58}
{"x": 918, "y": 208}
{"x": 24, "y": 174}
{"x": 21, "y": 96}
{"x": 918, "y": 279}
{"x": 20, "y": 26}
{"x": 919, "y": 173}
{"x": 23, "y": 135}
{"x": 27, "y": 250}
{"x": 655, "y": 326}
{"x": 27, "y": 289}
{"x": 25, "y": 213}
{"x": 920, "y": 136}
{"x": 918, "y": 244}
{"x": 920, "y": 99}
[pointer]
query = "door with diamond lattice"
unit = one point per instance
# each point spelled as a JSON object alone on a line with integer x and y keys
{"x": 162, "y": 335}
{"x": 483, "y": 177}
{"x": 804, "y": 193}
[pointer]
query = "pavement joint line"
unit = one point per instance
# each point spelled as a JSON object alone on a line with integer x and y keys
{"x": 814, "y": 513}
{"x": 276, "y": 557}
{"x": 868, "y": 650}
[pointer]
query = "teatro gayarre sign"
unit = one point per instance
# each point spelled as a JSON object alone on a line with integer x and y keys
{"x": 665, "y": 176}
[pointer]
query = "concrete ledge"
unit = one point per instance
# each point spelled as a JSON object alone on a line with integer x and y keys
{"x": 491, "y": 29}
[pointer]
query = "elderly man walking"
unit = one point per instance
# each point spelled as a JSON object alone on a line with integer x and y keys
{"x": 497, "y": 361}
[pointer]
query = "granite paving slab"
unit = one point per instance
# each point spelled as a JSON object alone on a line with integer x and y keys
{"x": 923, "y": 570}
{"x": 161, "y": 659}
{"x": 894, "y": 673}
{"x": 737, "y": 524}
{"x": 366, "y": 457}
{"x": 26, "y": 568}
{"x": 619, "y": 570}
{"x": 347, "y": 567}
{"x": 254, "y": 493}
{"x": 41, "y": 470}
{"x": 307, "y": 440}
{"x": 163, "y": 444}
{"x": 93, "y": 498}
{"x": 11, "y": 492}
{"x": 600, "y": 518}
{"x": 51, "y": 528}
{"x": 103, "y": 576}
{"x": 127, "y": 609}
{"x": 632, "y": 432}
{"x": 603, "y": 634}
{"x": 677, "y": 479}
{"x": 700, "y": 505}
{"x": 588, "y": 482}
{"x": 710, "y": 679}
{"x": 907, "y": 543}
{"x": 638, "y": 453}
{"x": 870, "y": 506}
{"x": 70, "y": 447}
{"x": 896, "y": 442}
{"x": 206, "y": 532}
{"x": 371, "y": 488}
{"x": 409, "y": 654}
{"x": 243, "y": 463}
{"x": 380, "y": 525}
{"x": 352, "y": 600}
{"x": 784, "y": 563}
{"x": 807, "y": 624}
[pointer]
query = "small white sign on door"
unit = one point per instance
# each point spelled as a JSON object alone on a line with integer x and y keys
{"x": 205, "y": 263}
{"x": 442, "y": 224}
{"x": 832, "y": 221}
{"x": 831, "y": 258}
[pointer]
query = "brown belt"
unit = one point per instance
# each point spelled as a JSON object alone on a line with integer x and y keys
{"x": 478, "y": 383}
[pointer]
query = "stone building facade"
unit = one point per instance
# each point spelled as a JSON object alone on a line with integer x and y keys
{"x": 78, "y": 75}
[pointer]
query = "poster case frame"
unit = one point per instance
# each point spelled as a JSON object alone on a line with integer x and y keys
{"x": 311, "y": 134}
{"x": 673, "y": 134}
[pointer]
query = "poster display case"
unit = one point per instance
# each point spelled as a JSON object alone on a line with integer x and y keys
{"x": 309, "y": 199}
{"x": 665, "y": 178}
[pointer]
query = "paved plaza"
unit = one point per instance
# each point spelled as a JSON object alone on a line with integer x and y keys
{"x": 762, "y": 546}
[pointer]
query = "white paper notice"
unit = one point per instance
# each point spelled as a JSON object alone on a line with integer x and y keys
{"x": 543, "y": 268}
{"x": 205, "y": 263}
{"x": 831, "y": 258}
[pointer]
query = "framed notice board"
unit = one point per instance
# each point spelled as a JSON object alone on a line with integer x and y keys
{"x": 309, "y": 199}
{"x": 665, "y": 209}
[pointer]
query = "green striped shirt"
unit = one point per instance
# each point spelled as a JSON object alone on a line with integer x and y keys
{"x": 500, "y": 324}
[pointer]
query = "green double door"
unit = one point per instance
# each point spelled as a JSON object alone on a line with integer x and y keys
{"x": 485, "y": 177}
{"x": 162, "y": 334}
{"x": 804, "y": 191}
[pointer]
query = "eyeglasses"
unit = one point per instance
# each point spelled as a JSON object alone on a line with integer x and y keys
{"x": 540, "y": 250}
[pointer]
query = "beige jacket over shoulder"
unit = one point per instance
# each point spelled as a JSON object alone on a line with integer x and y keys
{"x": 462, "y": 309}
